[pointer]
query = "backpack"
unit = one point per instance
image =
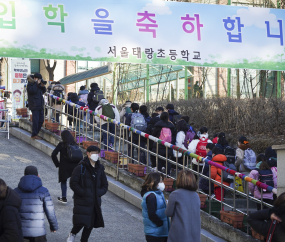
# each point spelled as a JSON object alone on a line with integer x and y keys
{"x": 165, "y": 135}
{"x": 58, "y": 93}
{"x": 98, "y": 96}
{"x": 107, "y": 110}
{"x": 249, "y": 159}
{"x": 227, "y": 177}
{"x": 176, "y": 118}
{"x": 74, "y": 153}
{"x": 230, "y": 153}
{"x": 201, "y": 147}
{"x": 83, "y": 98}
{"x": 188, "y": 137}
{"x": 266, "y": 176}
{"x": 138, "y": 122}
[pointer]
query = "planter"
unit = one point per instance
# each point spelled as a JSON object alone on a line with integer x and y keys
{"x": 86, "y": 144}
{"x": 138, "y": 170}
{"x": 233, "y": 218}
{"x": 256, "y": 235}
{"x": 112, "y": 156}
{"x": 80, "y": 139}
{"x": 52, "y": 126}
{"x": 168, "y": 182}
{"x": 203, "y": 198}
{"x": 22, "y": 112}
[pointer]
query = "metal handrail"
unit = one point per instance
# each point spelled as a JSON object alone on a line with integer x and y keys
{"x": 124, "y": 129}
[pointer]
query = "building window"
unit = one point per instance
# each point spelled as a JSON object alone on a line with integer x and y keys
{"x": 35, "y": 66}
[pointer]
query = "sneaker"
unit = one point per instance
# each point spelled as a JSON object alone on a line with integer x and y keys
{"x": 62, "y": 199}
{"x": 71, "y": 237}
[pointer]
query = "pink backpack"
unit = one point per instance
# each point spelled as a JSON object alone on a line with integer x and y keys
{"x": 165, "y": 135}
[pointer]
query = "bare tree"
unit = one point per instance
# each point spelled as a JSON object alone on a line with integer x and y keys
{"x": 50, "y": 69}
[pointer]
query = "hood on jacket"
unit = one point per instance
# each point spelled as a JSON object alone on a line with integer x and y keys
{"x": 12, "y": 199}
{"x": 30, "y": 78}
{"x": 58, "y": 87}
{"x": 30, "y": 183}
{"x": 93, "y": 89}
{"x": 103, "y": 102}
{"x": 219, "y": 158}
{"x": 244, "y": 147}
{"x": 82, "y": 92}
{"x": 172, "y": 112}
{"x": 163, "y": 124}
{"x": 204, "y": 136}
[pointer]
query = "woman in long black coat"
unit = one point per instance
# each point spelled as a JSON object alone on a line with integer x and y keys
{"x": 65, "y": 166}
{"x": 260, "y": 221}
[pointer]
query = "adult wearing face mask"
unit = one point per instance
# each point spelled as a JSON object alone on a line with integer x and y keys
{"x": 89, "y": 183}
{"x": 156, "y": 223}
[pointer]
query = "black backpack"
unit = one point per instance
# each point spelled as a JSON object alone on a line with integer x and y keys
{"x": 74, "y": 153}
{"x": 176, "y": 118}
{"x": 98, "y": 96}
{"x": 230, "y": 153}
{"x": 58, "y": 93}
{"x": 266, "y": 176}
{"x": 227, "y": 177}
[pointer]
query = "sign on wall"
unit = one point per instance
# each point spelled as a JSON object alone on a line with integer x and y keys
{"x": 19, "y": 71}
{"x": 144, "y": 31}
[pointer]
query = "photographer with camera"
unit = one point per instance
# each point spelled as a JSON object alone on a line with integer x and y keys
{"x": 36, "y": 88}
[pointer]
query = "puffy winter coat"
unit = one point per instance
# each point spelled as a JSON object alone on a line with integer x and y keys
{"x": 36, "y": 203}
{"x": 193, "y": 145}
{"x": 10, "y": 222}
{"x": 216, "y": 172}
{"x": 57, "y": 87}
{"x": 172, "y": 113}
{"x": 260, "y": 222}
{"x": 65, "y": 168}
{"x": 151, "y": 228}
{"x": 99, "y": 111}
{"x": 180, "y": 137}
{"x": 240, "y": 158}
{"x": 35, "y": 94}
{"x": 156, "y": 133}
{"x": 254, "y": 189}
{"x": 88, "y": 192}
{"x": 92, "y": 105}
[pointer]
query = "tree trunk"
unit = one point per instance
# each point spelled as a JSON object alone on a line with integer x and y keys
{"x": 50, "y": 69}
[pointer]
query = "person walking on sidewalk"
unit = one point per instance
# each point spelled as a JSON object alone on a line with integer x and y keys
{"x": 36, "y": 89}
{"x": 65, "y": 166}
{"x": 36, "y": 202}
{"x": 89, "y": 183}
{"x": 156, "y": 223}
{"x": 10, "y": 222}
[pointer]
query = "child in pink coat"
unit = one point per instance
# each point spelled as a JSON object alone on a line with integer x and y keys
{"x": 267, "y": 196}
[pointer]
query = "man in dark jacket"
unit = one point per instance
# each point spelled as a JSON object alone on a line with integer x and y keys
{"x": 172, "y": 113}
{"x": 89, "y": 183}
{"x": 36, "y": 202}
{"x": 10, "y": 222}
{"x": 91, "y": 103}
{"x": 35, "y": 90}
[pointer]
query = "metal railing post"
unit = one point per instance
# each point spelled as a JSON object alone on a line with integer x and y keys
{"x": 84, "y": 112}
{"x": 222, "y": 190}
{"x": 210, "y": 190}
{"x": 234, "y": 192}
{"x": 60, "y": 114}
{"x": 261, "y": 193}
{"x": 247, "y": 205}
{"x": 46, "y": 107}
{"x": 147, "y": 155}
{"x": 131, "y": 146}
{"x": 183, "y": 164}
{"x": 67, "y": 123}
{"x": 117, "y": 177}
{"x": 176, "y": 172}
{"x": 49, "y": 113}
{"x": 166, "y": 162}
{"x": 93, "y": 126}
{"x": 76, "y": 124}
{"x": 157, "y": 156}
{"x": 139, "y": 149}
{"x": 101, "y": 133}
{"x": 108, "y": 128}
{"x": 115, "y": 138}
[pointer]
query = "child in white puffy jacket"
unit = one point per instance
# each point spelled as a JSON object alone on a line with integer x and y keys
{"x": 180, "y": 138}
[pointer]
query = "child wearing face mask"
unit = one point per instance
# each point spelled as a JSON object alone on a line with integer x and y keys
{"x": 156, "y": 223}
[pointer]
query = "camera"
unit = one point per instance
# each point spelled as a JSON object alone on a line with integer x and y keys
{"x": 43, "y": 81}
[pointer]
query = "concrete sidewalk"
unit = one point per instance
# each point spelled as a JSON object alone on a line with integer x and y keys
{"x": 123, "y": 221}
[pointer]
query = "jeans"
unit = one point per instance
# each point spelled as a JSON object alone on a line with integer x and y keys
{"x": 38, "y": 120}
{"x": 63, "y": 188}
{"x": 85, "y": 234}
{"x": 110, "y": 137}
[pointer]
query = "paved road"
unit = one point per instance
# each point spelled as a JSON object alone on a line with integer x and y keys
{"x": 123, "y": 221}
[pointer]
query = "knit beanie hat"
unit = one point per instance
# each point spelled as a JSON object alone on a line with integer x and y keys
{"x": 31, "y": 170}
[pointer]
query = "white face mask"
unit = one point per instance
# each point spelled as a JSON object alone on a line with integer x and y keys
{"x": 94, "y": 157}
{"x": 161, "y": 186}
